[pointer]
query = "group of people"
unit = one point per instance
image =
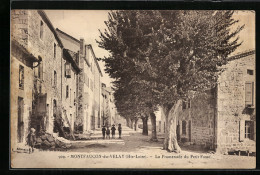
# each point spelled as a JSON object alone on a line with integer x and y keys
{"x": 31, "y": 138}
{"x": 106, "y": 131}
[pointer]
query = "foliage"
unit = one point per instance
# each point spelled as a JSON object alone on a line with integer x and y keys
{"x": 158, "y": 57}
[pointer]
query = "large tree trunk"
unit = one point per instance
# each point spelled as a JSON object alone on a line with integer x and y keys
{"x": 153, "y": 121}
{"x": 145, "y": 125}
{"x": 136, "y": 119}
{"x": 170, "y": 141}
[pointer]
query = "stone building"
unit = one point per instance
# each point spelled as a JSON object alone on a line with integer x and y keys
{"x": 36, "y": 34}
{"x": 109, "y": 112}
{"x": 223, "y": 118}
{"x": 21, "y": 78}
{"x": 87, "y": 96}
{"x": 45, "y": 103}
{"x": 69, "y": 78}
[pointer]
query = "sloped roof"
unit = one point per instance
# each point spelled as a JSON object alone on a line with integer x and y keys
{"x": 68, "y": 41}
{"x": 49, "y": 24}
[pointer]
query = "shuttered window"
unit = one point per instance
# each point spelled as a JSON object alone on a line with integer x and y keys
{"x": 249, "y": 93}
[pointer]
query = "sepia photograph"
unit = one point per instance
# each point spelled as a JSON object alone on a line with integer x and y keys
{"x": 132, "y": 89}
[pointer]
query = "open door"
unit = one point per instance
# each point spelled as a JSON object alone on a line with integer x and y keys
{"x": 189, "y": 131}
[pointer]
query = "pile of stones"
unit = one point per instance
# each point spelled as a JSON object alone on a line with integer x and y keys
{"x": 47, "y": 141}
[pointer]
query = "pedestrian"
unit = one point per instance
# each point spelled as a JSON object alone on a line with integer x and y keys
{"x": 119, "y": 130}
{"x": 31, "y": 140}
{"x": 103, "y": 131}
{"x": 108, "y": 133}
{"x": 113, "y": 129}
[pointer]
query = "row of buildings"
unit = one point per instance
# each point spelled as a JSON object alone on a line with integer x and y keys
{"x": 55, "y": 80}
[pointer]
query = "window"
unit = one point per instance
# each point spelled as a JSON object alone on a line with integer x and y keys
{"x": 249, "y": 130}
{"x": 55, "y": 79}
{"x": 249, "y": 94}
{"x": 54, "y": 103}
{"x": 246, "y": 130}
{"x": 41, "y": 30}
{"x": 21, "y": 77}
{"x": 183, "y": 127}
{"x": 250, "y": 72}
{"x": 67, "y": 91}
{"x": 67, "y": 70}
{"x": 54, "y": 50}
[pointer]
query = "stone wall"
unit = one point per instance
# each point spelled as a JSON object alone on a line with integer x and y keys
{"x": 232, "y": 110}
{"x": 199, "y": 120}
{"x": 44, "y": 48}
{"x": 25, "y": 94}
{"x": 26, "y": 28}
{"x": 19, "y": 26}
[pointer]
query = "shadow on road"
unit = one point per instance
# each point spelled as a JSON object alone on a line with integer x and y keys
{"x": 136, "y": 142}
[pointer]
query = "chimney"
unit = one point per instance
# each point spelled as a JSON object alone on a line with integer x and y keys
{"x": 82, "y": 46}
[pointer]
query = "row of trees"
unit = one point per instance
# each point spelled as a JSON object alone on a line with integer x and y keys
{"x": 162, "y": 57}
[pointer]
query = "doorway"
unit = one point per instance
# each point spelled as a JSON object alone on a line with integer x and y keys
{"x": 20, "y": 124}
{"x": 189, "y": 131}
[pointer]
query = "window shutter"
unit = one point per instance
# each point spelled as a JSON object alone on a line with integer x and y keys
{"x": 249, "y": 93}
{"x": 241, "y": 130}
{"x": 252, "y": 130}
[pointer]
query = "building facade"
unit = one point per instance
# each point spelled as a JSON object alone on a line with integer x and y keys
{"x": 46, "y": 69}
{"x": 223, "y": 118}
{"x": 87, "y": 98}
{"x": 37, "y": 35}
{"x": 69, "y": 78}
{"x": 108, "y": 110}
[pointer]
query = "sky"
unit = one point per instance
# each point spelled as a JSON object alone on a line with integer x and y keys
{"x": 85, "y": 24}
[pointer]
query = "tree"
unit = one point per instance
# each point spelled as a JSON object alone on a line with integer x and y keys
{"x": 131, "y": 106}
{"x": 126, "y": 64}
{"x": 169, "y": 55}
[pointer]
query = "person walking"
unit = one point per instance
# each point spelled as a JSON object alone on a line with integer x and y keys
{"x": 31, "y": 140}
{"x": 108, "y": 133}
{"x": 113, "y": 129}
{"x": 103, "y": 131}
{"x": 119, "y": 130}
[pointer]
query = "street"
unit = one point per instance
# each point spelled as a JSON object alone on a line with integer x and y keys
{"x": 132, "y": 151}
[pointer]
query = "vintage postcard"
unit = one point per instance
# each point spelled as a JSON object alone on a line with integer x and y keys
{"x": 139, "y": 89}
